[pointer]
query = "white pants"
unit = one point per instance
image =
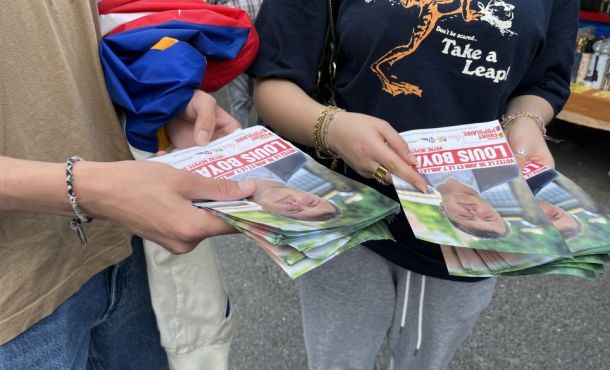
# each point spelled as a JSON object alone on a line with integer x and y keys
{"x": 193, "y": 311}
{"x": 191, "y": 304}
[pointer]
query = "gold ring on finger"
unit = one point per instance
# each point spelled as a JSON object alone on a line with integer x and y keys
{"x": 381, "y": 175}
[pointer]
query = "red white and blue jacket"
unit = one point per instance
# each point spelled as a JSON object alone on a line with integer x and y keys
{"x": 155, "y": 53}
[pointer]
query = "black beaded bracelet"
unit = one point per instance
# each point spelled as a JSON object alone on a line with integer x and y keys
{"x": 76, "y": 224}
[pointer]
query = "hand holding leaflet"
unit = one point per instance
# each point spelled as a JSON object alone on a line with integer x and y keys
{"x": 475, "y": 196}
{"x": 302, "y": 214}
{"x": 485, "y": 215}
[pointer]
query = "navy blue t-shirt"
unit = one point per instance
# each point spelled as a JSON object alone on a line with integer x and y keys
{"x": 424, "y": 64}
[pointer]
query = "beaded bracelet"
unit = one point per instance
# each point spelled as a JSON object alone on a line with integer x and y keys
{"x": 76, "y": 224}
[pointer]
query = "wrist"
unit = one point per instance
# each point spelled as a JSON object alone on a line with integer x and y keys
{"x": 334, "y": 132}
{"x": 40, "y": 187}
{"x": 33, "y": 186}
{"x": 321, "y": 132}
{"x": 8, "y": 199}
{"x": 522, "y": 127}
{"x": 91, "y": 188}
{"x": 508, "y": 121}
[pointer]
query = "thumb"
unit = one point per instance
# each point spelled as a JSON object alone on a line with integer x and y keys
{"x": 220, "y": 189}
{"x": 205, "y": 118}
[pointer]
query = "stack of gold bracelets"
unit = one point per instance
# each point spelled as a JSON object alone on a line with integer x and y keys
{"x": 320, "y": 134}
{"x": 323, "y": 150}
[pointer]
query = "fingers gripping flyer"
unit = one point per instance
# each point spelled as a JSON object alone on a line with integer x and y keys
{"x": 475, "y": 196}
{"x": 301, "y": 213}
{"x": 492, "y": 220}
{"x": 489, "y": 219}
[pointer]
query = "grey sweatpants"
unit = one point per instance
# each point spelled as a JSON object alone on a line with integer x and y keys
{"x": 353, "y": 302}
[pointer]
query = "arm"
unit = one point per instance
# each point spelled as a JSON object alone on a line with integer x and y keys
{"x": 362, "y": 141}
{"x": 546, "y": 86}
{"x": 152, "y": 200}
{"x": 524, "y": 133}
{"x": 292, "y": 38}
{"x": 276, "y": 102}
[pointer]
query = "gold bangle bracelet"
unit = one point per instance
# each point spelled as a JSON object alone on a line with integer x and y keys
{"x": 328, "y": 120}
{"x": 320, "y": 132}
{"x": 507, "y": 121}
{"x": 317, "y": 129}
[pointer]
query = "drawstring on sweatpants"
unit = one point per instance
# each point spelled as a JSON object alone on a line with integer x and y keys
{"x": 405, "y": 301}
{"x": 420, "y": 313}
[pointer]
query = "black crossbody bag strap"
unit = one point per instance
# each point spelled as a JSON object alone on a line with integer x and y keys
{"x": 325, "y": 84}
{"x": 324, "y": 92}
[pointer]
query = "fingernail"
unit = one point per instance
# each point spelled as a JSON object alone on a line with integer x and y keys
{"x": 202, "y": 137}
{"x": 247, "y": 185}
{"x": 411, "y": 158}
{"x": 422, "y": 187}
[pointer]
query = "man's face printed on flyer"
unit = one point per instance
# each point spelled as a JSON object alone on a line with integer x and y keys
{"x": 473, "y": 215}
{"x": 565, "y": 222}
{"x": 293, "y": 203}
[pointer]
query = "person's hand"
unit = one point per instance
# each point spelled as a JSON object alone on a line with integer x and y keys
{"x": 365, "y": 142}
{"x": 153, "y": 200}
{"x": 201, "y": 122}
{"x": 527, "y": 143}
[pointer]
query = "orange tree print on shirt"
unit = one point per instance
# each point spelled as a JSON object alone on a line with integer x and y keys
{"x": 429, "y": 15}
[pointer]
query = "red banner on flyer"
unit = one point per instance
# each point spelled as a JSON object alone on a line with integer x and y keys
{"x": 256, "y": 157}
{"x": 466, "y": 158}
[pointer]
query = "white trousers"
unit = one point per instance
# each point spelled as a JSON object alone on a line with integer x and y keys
{"x": 191, "y": 303}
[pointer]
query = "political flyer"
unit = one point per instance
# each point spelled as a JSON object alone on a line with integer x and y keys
{"x": 580, "y": 220}
{"x": 302, "y": 214}
{"x": 476, "y": 197}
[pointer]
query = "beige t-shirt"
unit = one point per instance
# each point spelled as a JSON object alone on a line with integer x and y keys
{"x": 53, "y": 105}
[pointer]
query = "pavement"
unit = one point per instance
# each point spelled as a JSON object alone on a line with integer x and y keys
{"x": 536, "y": 322}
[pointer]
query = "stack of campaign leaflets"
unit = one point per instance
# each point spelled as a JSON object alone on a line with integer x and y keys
{"x": 302, "y": 214}
{"x": 492, "y": 219}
